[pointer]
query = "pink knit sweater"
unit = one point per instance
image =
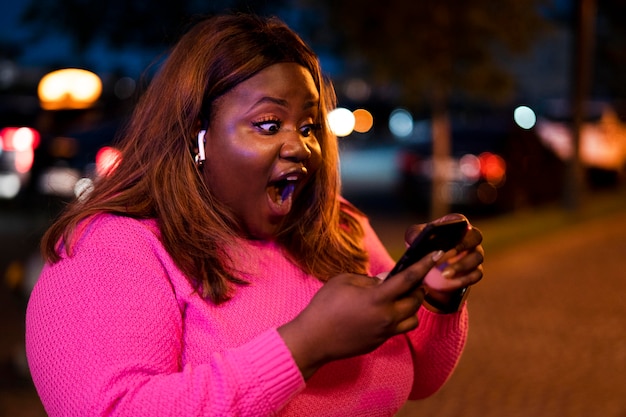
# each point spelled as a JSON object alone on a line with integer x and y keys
{"x": 117, "y": 330}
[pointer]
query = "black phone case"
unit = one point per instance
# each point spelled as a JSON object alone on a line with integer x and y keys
{"x": 435, "y": 236}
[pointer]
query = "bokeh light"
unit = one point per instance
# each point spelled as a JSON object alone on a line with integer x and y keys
{"x": 22, "y": 141}
{"x": 69, "y": 88}
{"x": 124, "y": 88}
{"x": 341, "y": 121}
{"x": 363, "y": 120}
{"x": 469, "y": 165}
{"x": 9, "y": 185}
{"x": 83, "y": 187}
{"x": 401, "y": 123}
{"x": 493, "y": 168}
{"x": 19, "y": 138}
{"x": 107, "y": 160}
{"x": 525, "y": 117}
{"x": 357, "y": 89}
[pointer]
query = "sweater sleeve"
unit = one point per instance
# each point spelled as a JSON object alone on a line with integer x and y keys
{"x": 104, "y": 337}
{"x": 436, "y": 346}
{"x": 437, "y": 343}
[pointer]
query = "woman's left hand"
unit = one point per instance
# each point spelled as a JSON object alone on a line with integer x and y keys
{"x": 457, "y": 270}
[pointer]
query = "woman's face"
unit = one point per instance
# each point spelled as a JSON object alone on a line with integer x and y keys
{"x": 261, "y": 146}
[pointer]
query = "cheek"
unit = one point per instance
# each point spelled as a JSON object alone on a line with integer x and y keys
{"x": 319, "y": 152}
{"x": 238, "y": 170}
{"x": 316, "y": 151}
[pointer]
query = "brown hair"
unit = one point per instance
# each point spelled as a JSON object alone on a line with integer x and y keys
{"x": 157, "y": 177}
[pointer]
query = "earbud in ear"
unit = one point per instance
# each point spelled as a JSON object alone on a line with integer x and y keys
{"x": 200, "y": 157}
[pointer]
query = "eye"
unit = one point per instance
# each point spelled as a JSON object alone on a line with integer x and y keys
{"x": 268, "y": 126}
{"x": 309, "y": 129}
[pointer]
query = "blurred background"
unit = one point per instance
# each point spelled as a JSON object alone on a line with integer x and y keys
{"x": 511, "y": 112}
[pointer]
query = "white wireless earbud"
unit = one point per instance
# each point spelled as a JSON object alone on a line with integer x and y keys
{"x": 200, "y": 157}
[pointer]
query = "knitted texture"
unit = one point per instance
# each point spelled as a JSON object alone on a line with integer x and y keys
{"x": 117, "y": 330}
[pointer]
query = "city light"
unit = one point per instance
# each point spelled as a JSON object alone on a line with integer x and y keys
{"x": 107, "y": 160}
{"x": 18, "y": 139}
{"x": 493, "y": 168}
{"x": 9, "y": 185}
{"x": 363, "y": 120}
{"x": 602, "y": 143}
{"x": 525, "y": 117}
{"x": 401, "y": 123}
{"x": 69, "y": 88}
{"x": 22, "y": 141}
{"x": 341, "y": 121}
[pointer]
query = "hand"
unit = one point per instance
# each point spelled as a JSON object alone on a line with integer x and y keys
{"x": 354, "y": 314}
{"x": 459, "y": 268}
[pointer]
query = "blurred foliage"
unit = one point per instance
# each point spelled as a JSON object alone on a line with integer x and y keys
{"x": 148, "y": 24}
{"x": 440, "y": 46}
{"x": 610, "y": 49}
{"x": 448, "y": 45}
{"x": 418, "y": 44}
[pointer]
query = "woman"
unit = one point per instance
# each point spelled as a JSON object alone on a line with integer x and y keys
{"x": 216, "y": 270}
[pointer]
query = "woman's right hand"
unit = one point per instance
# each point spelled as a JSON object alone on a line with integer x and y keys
{"x": 354, "y": 314}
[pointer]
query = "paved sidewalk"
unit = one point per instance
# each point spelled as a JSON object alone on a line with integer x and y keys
{"x": 548, "y": 325}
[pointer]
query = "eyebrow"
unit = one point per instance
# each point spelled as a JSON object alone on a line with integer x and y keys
{"x": 283, "y": 103}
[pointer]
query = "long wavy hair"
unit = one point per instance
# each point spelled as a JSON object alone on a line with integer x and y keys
{"x": 157, "y": 178}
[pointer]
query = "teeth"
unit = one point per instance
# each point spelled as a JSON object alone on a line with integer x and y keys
{"x": 283, "y": 189}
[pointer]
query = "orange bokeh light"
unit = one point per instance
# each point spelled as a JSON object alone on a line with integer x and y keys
{"x": 363, "y": 120}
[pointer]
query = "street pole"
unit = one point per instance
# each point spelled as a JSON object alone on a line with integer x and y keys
{"x": 584, "y": 27}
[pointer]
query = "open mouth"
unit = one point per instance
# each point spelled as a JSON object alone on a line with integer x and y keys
{"x": 281, "y": 193}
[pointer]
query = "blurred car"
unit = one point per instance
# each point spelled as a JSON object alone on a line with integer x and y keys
{"x": 71, "y": 161}
{"x": 17, "y": 150}
{"x": 474, "y": 173}
{"x": 602, "y": 142}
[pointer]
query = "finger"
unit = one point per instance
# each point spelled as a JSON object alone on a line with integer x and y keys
{"x": 468, "y": 279}
{"x": 436, "y": 281}
{"x": 467, "y": 261}
{"x": 408, "y": 324}
{"x": 408, "y": 280}
{"x": 382, "y": 276}
{"x": 406, "y": 310}
{"x": 450, "y": 217}
{"x": 410, "y": 303}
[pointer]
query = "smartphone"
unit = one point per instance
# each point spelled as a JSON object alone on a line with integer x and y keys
{"x": 435, "y": 236}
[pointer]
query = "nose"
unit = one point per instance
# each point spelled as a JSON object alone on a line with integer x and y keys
{"x": 296, "y": 147}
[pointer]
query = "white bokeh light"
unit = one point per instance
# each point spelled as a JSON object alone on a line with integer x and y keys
{"x": 341, "y": 121}
{"x": 525, "y": 117}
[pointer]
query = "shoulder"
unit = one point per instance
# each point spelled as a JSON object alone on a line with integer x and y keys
{"x": 113, "y": 254}
{"x": 108, "y": 241}
{"x": 348, "y": 207}
{"x": 115, "y": 231}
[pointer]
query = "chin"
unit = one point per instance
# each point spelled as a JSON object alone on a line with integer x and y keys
{"x": 267, "y": 232}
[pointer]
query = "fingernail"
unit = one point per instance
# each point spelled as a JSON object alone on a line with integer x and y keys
{"x": 448, "y": 273}
{"x": 437, "y": 255}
